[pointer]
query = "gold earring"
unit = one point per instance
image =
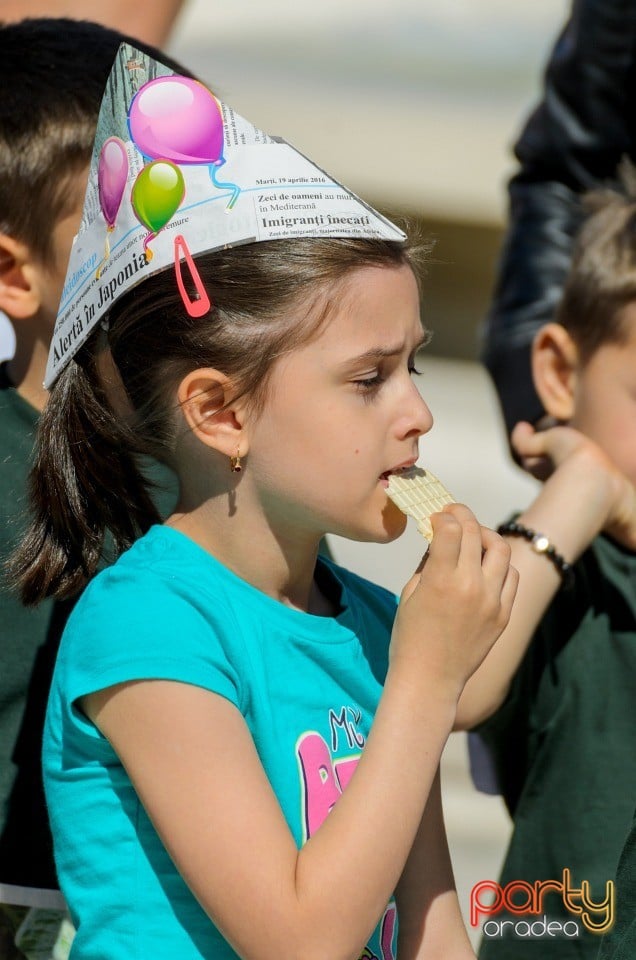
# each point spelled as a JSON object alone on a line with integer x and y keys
{"x": 235, "y": 462}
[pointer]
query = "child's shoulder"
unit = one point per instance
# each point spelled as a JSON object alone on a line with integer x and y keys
{"x": 152, "y": 614}
{"x": 157, "y": 554}
{"x": 162, "y": 577}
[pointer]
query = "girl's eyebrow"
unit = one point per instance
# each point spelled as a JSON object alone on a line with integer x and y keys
{"x": 375, "y": 354}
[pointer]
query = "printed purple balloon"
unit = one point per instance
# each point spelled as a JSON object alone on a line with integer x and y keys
{"x": 177, "y": 119}
{"x": 111, "y": 178}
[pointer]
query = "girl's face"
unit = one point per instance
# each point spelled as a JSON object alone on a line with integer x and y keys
{"x": 342, "y": 412}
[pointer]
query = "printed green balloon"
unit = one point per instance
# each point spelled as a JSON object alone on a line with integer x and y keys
{"x": 157, "y": 194}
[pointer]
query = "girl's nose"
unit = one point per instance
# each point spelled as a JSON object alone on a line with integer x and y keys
{"x": 417, "y": 418}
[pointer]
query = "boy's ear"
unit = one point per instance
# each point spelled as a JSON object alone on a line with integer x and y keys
{"x": 205, "y": 399}
{"x": 19, "y": 290}
{"x": 555, "y": 367}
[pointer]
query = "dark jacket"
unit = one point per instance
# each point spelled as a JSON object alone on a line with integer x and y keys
{"x": 572, "y": 142}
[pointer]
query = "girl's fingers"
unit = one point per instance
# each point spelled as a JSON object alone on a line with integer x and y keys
{"x": 460, "y": 541}
{"x": 509, "y": 591}
{"x": 472, "y": 535}
{"x": 496, "y": 551}
{"x": 447, "y": 536}
{"x": 457, "y": 536}
{"x": 497, "y": 570}
{"x": 481, "y": 546}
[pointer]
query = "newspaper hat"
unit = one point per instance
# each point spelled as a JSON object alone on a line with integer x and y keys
{"x": 176, "y": 173}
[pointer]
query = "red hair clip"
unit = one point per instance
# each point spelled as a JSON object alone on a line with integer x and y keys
{"x": 200, "y": 305}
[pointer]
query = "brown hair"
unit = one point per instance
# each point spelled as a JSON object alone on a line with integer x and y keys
{"x": 268, "y": 298}
{"x": 602, "y": 278}
{"x": 53, "y": 72}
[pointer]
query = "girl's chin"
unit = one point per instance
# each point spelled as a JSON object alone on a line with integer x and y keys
{"x": 391, "y": 529}
{"x": 393, "y": 520}
{"x": 394, "y": 533}
{"x": 373, "y": 527}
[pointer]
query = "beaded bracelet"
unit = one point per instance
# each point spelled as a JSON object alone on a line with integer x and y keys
{"x": 540, "y": 544}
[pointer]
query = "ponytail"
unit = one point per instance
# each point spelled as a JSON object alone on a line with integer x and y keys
{"x": 85, "y": 480}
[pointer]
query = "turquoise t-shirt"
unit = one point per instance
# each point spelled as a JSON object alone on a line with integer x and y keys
{"x": 307, "y": 686}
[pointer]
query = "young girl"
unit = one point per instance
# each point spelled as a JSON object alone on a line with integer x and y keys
{"x": 243, "y": 739}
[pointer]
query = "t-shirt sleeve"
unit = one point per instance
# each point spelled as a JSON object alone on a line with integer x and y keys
{"x": 124, "y": 630}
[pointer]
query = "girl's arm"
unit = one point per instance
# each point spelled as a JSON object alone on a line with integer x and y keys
{"x": 193, "y": 763}
{"x": 584, "y": 495}
{"x": 431, "y": 924}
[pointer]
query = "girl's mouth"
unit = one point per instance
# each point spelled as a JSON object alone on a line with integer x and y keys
{"x": 384, "y": 477}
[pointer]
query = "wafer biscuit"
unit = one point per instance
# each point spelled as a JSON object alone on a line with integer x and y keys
{"x": 418, "y": 493}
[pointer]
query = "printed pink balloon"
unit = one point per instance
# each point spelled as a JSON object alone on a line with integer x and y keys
{"x": 112, "y": 173}
{"x": 177, "y": 119}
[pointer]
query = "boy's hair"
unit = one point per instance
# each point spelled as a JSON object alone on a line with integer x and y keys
{"x": 53, "y": 73}
{"x": 602, "y": 278}
{"x": 269, "y": 298}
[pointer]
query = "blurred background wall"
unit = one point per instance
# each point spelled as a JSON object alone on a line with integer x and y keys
{"x": 413, "y": 104}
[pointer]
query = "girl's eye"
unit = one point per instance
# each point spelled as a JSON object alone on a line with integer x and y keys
{"x": 369, "y": 383}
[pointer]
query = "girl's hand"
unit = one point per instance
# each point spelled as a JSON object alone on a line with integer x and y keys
{"x": 604, "y": 498}
{"x": 456, "y": 605}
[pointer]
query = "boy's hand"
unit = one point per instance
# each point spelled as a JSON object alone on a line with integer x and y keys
{"x": 604, "y": 497}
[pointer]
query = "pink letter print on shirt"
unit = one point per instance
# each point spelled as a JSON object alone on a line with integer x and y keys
{"x": 323, "y": 781}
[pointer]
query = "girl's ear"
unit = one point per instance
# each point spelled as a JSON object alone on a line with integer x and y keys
{"x": 19, "y": 290}
{"x": 205, "y": 399}
{"x": 555, "y": 368}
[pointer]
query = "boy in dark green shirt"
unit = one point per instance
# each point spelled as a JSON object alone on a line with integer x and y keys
{"x": 554, "y": 700}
